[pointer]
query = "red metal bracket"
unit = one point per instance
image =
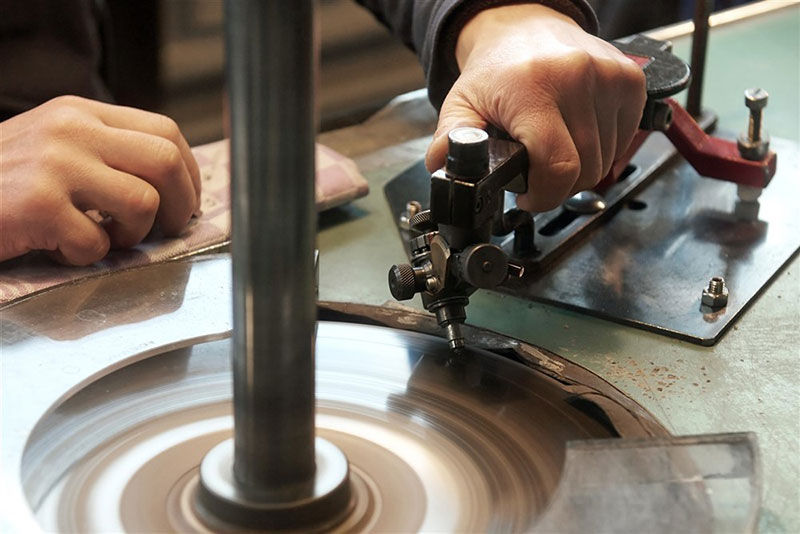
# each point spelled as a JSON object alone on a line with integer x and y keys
{"x": 710, "y": 156}
{"x": 713, "y": 157}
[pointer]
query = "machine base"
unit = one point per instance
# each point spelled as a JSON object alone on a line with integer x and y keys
{"x": 646, "y": 259}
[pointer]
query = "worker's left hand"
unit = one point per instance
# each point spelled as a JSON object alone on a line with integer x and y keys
{"x": 572, "y": 99}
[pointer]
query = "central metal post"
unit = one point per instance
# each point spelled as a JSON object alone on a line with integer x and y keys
{"x": 275, "y": 474}
{"x": 274, "y": 228}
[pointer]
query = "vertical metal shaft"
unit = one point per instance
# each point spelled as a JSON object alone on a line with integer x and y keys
{"x": 702, "y": 10}
{"x": 271, "y": 64}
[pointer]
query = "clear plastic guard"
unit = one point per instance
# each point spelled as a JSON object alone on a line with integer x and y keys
{"x": 708, "y": 483}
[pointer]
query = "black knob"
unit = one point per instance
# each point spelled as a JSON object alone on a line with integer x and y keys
{"x": 422, "y": 223}
{"x": 467, "y": 152}
{"x": 401, "y": 281}
{"x": 484, "y": 265}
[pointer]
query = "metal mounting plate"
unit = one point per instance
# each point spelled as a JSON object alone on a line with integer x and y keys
{"x": 645, "y": 260}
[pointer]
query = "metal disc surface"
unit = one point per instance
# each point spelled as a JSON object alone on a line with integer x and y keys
{"x": 435, "y": 442}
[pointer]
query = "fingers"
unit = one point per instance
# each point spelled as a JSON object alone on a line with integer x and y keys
{"x": 630, "y": 112}
{"x": 160, "y": 164}
{"x": 456, "y": 112}
{"x": 580, "y": 119}
{"x": 608, "y": 136}
{"x": 79, "y": 240}
{"x": 554, "y": 162}
{"x": 131, "y": 203}
{"x": 132, "y": 119}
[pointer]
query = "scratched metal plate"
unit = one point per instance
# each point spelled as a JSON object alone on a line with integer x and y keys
{"x": 646, "y": 261}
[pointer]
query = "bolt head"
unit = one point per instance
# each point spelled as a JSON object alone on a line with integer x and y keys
{"x": 715, "y": 300}
{"x": 755, "y": 98}
{"x": 412, "y": 208}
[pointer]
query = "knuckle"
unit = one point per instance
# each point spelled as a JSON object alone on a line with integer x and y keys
{"x": 580, "y": 61}
{"x": 97, "y": 247}
{"x": 143, "y": 203}
{"x": 88, "y": 248}
{"x": 51, "y": 157}
{"x": 611, "y": 71}
{"x": 168, "y": 156}
{"x": 65, "y": 101}
{"x": 168, "y": 128}
{"x": 633, "y": 76}
{"x": 63, "y": 120}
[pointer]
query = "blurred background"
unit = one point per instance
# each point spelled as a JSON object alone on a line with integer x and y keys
{"x": 168, "y": 56}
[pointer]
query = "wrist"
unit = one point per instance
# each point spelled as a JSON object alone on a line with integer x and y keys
{"x": 499, "y": 24}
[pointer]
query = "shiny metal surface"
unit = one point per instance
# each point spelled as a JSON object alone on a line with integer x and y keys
{"x": 271, "y": 63}
{"x": 58, "y": 342}
{"x": 666, "y": 231}
{"x": 436, "y": 443}
{"x": 585, "y": 202}
{"x": 77, "y": 368}
{"x": 559, "y": 229}
{"x": 645, "y": 265}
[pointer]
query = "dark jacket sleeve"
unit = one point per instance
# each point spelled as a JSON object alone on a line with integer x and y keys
{"x": 49, "y": 49}
{"x": 431, "y": 28}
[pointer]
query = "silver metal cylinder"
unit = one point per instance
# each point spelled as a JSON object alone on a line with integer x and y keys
{"x": 271, "y": 64}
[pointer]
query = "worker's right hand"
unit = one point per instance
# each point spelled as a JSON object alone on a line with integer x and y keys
{"x": 72, "y": 155}
{"x": 573, "y": 100}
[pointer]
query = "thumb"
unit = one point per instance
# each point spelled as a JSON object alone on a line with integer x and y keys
{"x": 454, "y": 114}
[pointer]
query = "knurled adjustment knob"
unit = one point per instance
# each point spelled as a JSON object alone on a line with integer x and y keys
{"x": 422, "y": 222}
{"x": 402, "y": 282}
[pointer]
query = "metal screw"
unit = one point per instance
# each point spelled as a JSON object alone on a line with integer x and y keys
{"x": 716, "y": 294}
{"x": 412, "y": 208}
{"x": 515, "y": 271}
{"x": 756, "y": 100}
{"x": 754, "y": 143}
{"x": 432, "y": 284}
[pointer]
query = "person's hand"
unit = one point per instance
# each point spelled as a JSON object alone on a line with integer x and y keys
{"x": 572, "y": 99}
{"x": 71, "y": 156}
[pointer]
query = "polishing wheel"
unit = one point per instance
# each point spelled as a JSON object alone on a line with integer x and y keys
{"x": 436, "y": 442}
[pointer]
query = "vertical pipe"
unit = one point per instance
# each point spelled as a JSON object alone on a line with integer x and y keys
{"x": 702, "y": 10}
{"x": 271, "y": 64}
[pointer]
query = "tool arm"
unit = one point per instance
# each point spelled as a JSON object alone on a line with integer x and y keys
{"x": 451, "y": 252}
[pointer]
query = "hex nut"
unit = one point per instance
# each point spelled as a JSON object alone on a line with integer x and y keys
{"x": 715, "y": 300}
{"x": 753, "y": 150}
